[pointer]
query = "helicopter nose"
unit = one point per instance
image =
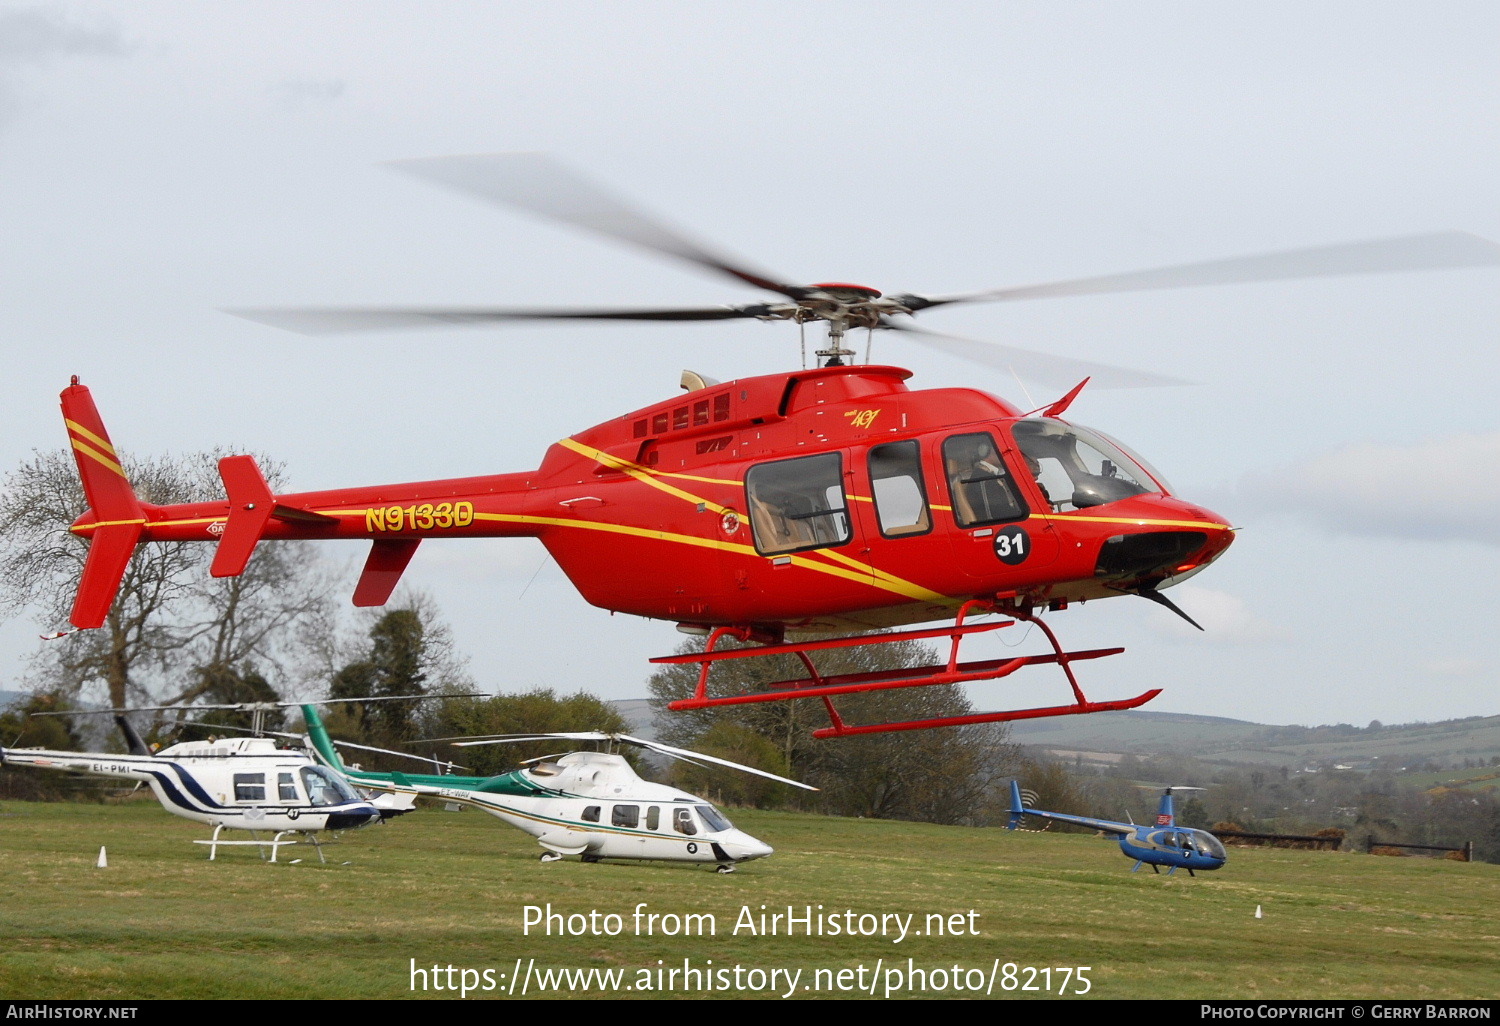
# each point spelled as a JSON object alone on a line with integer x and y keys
{"x": 744, "y": 848}
{"x": 1171, "y": 538}
{"x": 353, "y": 817}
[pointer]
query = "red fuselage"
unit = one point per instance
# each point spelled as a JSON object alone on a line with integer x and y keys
{"x": 833, "y": 498}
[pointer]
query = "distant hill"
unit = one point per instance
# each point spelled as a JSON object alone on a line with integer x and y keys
{"x": 1105, "y": 737}
{"x": 1216, "y": 739}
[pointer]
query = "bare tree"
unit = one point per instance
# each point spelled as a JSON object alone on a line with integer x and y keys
{"x": 173, "y": 632}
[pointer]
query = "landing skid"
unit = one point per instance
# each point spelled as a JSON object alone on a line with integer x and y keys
{"x": 275, "y": 843}
{"x": 826, "y": 687}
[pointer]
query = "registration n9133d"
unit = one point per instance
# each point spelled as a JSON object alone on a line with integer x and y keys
{"x": 423, "y": 517}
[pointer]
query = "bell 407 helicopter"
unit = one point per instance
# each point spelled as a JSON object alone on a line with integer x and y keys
{"x": 831, "y": 498}
{"x": 1162, "y": 843}
{"x": 590, "y": 804}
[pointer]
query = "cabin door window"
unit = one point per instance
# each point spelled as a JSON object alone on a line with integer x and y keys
{"x": 982, "y": 489}
{"x": 900, "y": 497}
{"x": 249, "y": 787}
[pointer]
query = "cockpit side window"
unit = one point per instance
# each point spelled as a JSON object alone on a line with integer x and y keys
{"x": 982, "y": 489}
{"x": 900, "y": 498}
{"x": 682, "y": 822}
{"x": 798, "y": 504}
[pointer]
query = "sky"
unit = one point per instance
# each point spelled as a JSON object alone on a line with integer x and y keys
{"x": 164, "y": 161}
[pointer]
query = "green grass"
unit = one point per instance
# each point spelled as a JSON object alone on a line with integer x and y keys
{"x": 163, "y": 922}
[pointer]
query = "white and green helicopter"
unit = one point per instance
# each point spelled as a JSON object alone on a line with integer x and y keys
{"x": 589, "y": 804}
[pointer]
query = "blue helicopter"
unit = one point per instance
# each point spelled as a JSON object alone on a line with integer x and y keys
{"x": 1160, "y": 844}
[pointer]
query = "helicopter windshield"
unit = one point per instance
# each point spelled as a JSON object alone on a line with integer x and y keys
{"x": 323, "y": 788}
{"x": 713, "y": 818}
{"x": 1207, "y": 844}
{"x": 1077, "y": 468}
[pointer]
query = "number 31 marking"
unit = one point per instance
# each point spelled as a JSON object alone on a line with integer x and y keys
{"x": 1012, "y": 545}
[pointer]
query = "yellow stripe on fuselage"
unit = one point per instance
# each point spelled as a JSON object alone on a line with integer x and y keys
{"x": 861, "y": 572}
{"x": 1202, "y": 525}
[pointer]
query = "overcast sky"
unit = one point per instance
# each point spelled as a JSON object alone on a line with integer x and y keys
{"x": 162, "y": 161}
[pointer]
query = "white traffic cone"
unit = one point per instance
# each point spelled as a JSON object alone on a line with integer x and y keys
{"x": 1257, "y": 912}
{"x": 103, "y": 862}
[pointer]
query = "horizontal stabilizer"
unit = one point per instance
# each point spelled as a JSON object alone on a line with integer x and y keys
{"x": 251, "y": 507}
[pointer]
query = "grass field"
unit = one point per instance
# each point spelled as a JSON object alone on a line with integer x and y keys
{"x": 449, "y": 889}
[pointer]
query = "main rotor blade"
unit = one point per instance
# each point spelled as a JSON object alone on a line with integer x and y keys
{"x": 1042, "y": 368}
{"x": 683, "y": 753}
{"x": 655, "y": 746}
{"x": 509, "y": 739}
{"x": 336, "y": 320}
{"x": 540, "y": 185}
{"x": 1407, "y": 253}
{"x": 403, "y": 755}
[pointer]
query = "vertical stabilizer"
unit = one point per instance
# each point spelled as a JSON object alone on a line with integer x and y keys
{"x": 1017, "y": 810}
{"x": 1164, "y": 813}
{"x": 320, "y": 740}
{"x": 133, "y": 742}
{"x": 119, "y": 519}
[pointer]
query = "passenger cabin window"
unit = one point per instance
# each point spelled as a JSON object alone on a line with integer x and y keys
{"x": 653, "y": 818}
{"x": 682, "y": 822}
{"x": 982, "y": 489}
{"x": 591, "y": 814}
{"x": 798, "y": 504}
{"x": 249, "y": 787}
{"x": 625, "y": 815}
{"x": 900, "y": 498}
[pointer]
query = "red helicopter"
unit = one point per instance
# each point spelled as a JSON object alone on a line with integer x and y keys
{"x": 832, "y": 498}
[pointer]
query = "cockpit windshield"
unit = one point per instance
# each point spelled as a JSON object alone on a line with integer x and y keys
{"x": 323, "y": 788}
{"x": 1077, "y": 468}
{"x": 1207, "y": 844}
{"x": 713, "y": 817}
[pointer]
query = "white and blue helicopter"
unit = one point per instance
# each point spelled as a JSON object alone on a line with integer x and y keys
{"x": 589, "y": 804}
{"x": 244, "y": 783}
{"x": 1162, "y": 843}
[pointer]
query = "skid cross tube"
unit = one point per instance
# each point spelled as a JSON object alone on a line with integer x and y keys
{"x": 825, "y": 686}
